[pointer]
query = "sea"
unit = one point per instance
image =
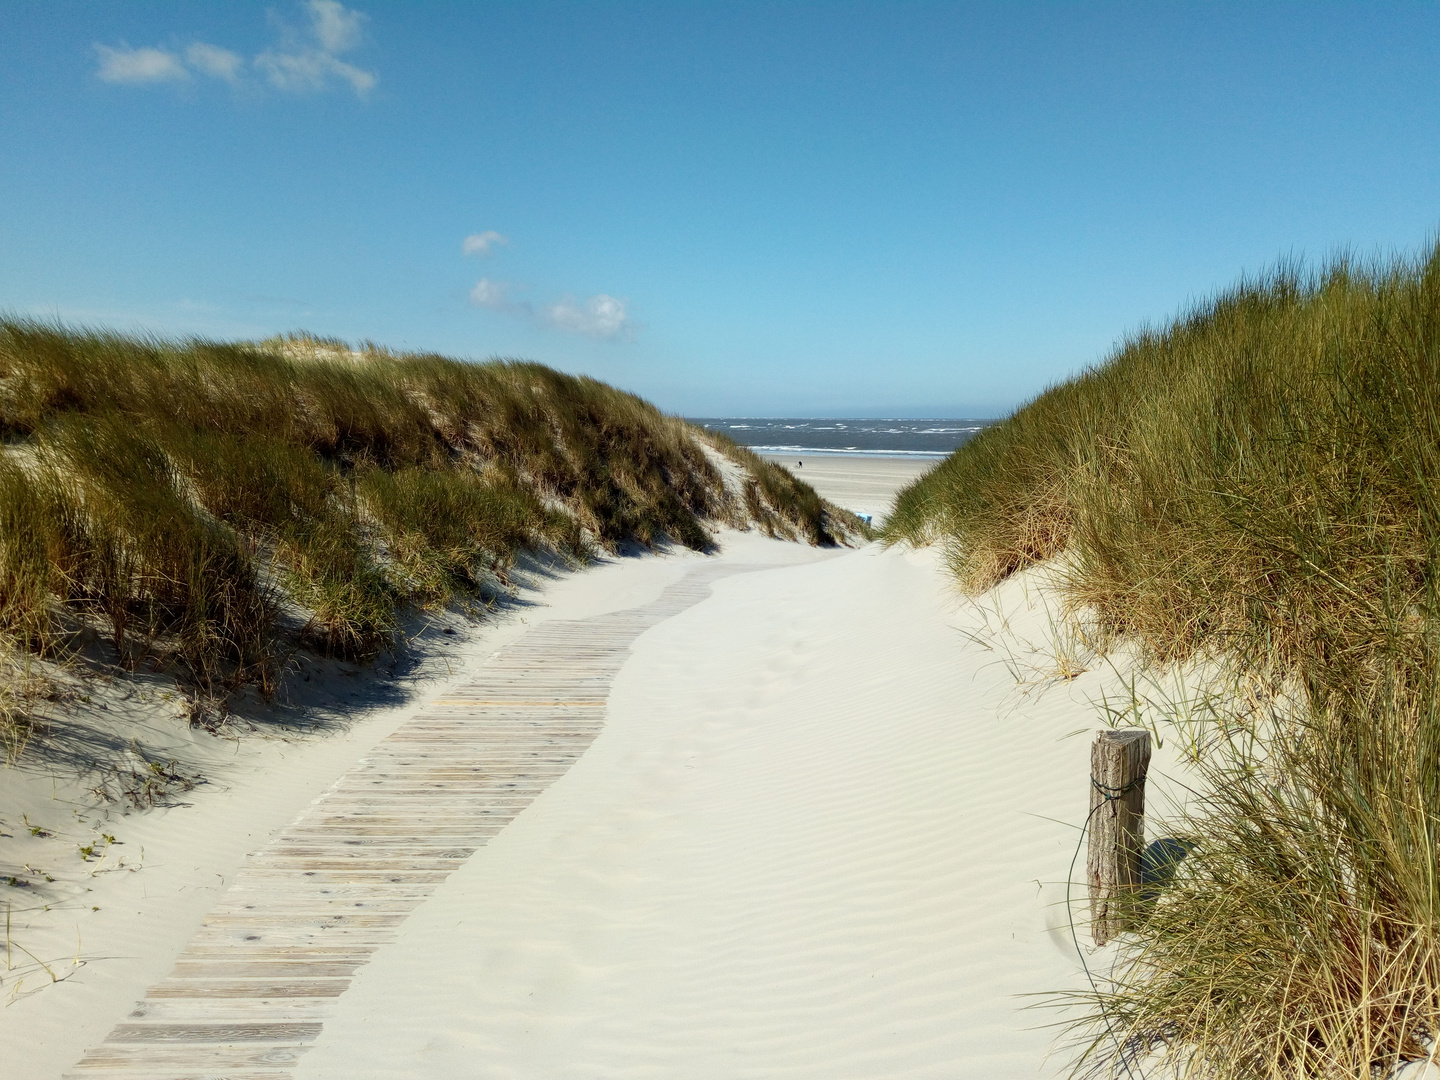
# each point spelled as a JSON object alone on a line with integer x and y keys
{"x": 935, "y": 438}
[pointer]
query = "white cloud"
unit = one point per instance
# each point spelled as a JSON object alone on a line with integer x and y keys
{"x": 481, "y": 243}
{"x": 147, "y": 65}
{"x": 311, "y": 70}
{"x": 494, "y": 295}
{"x": 299, "y": 66}
{"x": 600, "y": 316}
{"x": 214, "y": 61}
{"x": 336, "y": 27}
{"x": 304, "y": 61}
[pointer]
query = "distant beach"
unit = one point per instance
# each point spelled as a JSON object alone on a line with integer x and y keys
{"x": 859, "y": 464}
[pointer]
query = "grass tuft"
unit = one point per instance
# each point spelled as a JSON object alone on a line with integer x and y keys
{"x": 1257, "y": 484}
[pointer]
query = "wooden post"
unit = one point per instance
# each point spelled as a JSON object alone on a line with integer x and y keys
{"x": 1118, "y": 763}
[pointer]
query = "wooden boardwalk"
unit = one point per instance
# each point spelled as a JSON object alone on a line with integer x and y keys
{"x": 251, "y": 991}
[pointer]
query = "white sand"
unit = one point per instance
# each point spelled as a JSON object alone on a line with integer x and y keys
{"x": 820, "y": 836}
{"x": 863, "y": 485}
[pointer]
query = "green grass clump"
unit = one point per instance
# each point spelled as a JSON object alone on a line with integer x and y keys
{"x": 1259, "y": 473}
{"x": 447, "y": 532}
{"x": 1300, "y": 937}
{"x": 199, "y": 503}
{"x": 1258, "y": 483}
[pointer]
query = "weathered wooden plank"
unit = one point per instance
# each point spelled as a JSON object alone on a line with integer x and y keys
{"x": 229, "y": 1010}
{"x": 115, "y": 1056}
{"x": 317, "y": 906}
{"x": 215, "y": 1033}
{"x": 186, "y": 1073}
{"x": 271, "y": 889}
{"x": 259, "y": 988}
{"x": 296, "y": 921}
{"x": 346, "y": 876}
{"x": 261, "y": 969}
{"x": 358, "y": 953}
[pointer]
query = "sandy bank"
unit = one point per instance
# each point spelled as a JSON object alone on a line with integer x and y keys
{"x": 862, "y": 485}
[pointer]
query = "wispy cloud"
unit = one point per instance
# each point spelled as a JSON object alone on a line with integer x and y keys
{"x": 214, "y": 61}
{"x": 599, "y": 316}
{"x": 308, "y": 60}
{"x": 122, "y": 64}
{"x": 336, "y": 26}
{"x": 481, "y": 243}
{"x": 300, "y": 72}
{"x": 305, "y": 59}
{"x": 495, "y": 296}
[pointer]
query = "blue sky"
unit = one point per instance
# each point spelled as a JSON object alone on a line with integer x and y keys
{"x": 760, "y": 209}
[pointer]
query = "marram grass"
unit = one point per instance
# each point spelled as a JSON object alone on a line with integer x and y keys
{"x": 206, "y": 506}
{"x": 1258, "y": 484}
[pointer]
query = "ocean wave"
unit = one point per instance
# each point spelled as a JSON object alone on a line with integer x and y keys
{"x": 848, "y": 451}
{"x": 926, "y": 437}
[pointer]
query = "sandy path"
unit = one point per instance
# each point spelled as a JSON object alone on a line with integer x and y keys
{"x": 811, "y": 842}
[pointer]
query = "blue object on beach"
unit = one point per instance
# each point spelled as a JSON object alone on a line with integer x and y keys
{"x": 1157, "y": 865}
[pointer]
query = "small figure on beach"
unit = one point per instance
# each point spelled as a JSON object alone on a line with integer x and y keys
{"x": 798, "y": 464}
